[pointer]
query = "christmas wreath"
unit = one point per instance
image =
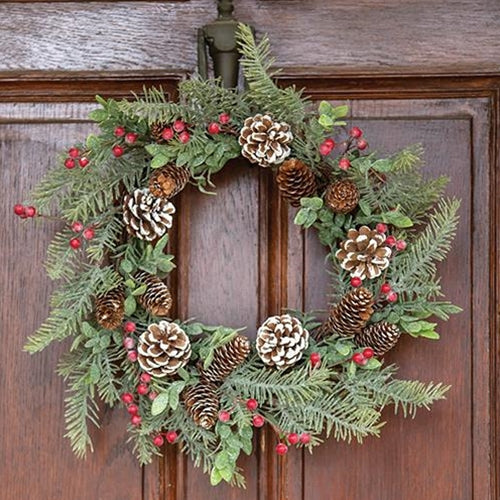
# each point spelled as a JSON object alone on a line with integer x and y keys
{"x": 207, "y": 388}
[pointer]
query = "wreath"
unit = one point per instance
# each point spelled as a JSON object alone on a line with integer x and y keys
{"x": 204, "y": 387}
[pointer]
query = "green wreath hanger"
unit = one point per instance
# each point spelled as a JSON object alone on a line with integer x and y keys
{"x": 207, "y": 388}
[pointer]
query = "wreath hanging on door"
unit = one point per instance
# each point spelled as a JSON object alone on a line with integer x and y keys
{"x": 207, "y": 388}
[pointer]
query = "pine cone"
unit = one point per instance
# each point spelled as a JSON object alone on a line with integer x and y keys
{"x": 163, "y": 349}
{"x": 364, "y": 253}
{"x": 157, "y": 299}
{"x": 147, "y": 217}
{"x": 350, "y": 315}
{"x": 202, "y": 404}
{"x": 381, "y": 337}
{"x": 295, "y": 181}
{"x": 110, "y": 308}
{"x": 226, "y": 359}
{"x": 167, "y": 181}
{"x": 281, "y": 341}
{"x": 342, "y": 196}
{"x": 265, "y": 141}
{"x": 156, "y": 130}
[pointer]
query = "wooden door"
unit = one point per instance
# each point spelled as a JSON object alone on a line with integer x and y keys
{"x": 418, "y": 71}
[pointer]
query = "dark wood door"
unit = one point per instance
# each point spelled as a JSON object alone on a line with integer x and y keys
{"x": 420, "y": 71}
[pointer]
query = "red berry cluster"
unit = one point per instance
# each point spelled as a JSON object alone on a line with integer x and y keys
{"x": 178, "y": 130}
{"x": 74, "y": 155}
{"x": 361, "y": 358}
{"x": 215, "y": 128}
{"x": 129, "y": 138}
{"x": 129, "y": 343}
{"x": 88, "y": 233}
{"x": 170, "y": 436}
{"x": 315, "y": 359}
{"x": 24, "y": 212}
{"x": 355, "y": 141}
{"x": 326, "y": 147}
{"x": 389, "y": 293}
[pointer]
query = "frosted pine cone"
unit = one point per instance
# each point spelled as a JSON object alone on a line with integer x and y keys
{"x": 202, "y": 404}
{"x": 264, "y": 141}
{"x": 342, "y": 196}
{"x": 281, "y": 341}
{"x": 157, "y": 299}
{"x": 163, "y": 349}
{"x": 381, "y": 337}
{"x": 110, "y": 308}
{"x": 167, "y": 181}
{"x": 364, "y": 253}
{"x": 147, "y": 217}
{"x": 295, "y": 181}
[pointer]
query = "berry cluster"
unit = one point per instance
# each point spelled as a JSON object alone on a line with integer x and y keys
{"x": 355, "y": 142}
{"x": 74, "y": 155}
{"x": 129, "y": 343}
{"x": 170, "y": 436}
{"x": 87, "y": 233}
{"x": 177, "y": 130}
{"x": 129, "y": 138}
{"x": 24, "y": 212}
{"x": 215, "y": 128}
{"x": 361, "y": 358}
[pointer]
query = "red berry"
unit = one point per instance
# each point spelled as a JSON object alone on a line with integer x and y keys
{"x": 362, "y": 144}
{"x": 129, "y": 327}
{"x": 158, "y": 440}
{"x": 75, "y": 243}
{"x": 132, "y": 356}
{"x": 119, "y": 131}
{"x": 344, "y": 163}
{"x": 118, "y": 151}
{"x": 133, "y": 409}
{"x": 128, "y": 343}
{"x": 359, "y": 359}
{"x": 368, "y": 353}
{"x": 401, "y": 245}
{"x": 69, "y": 163}
{"x": 145, "y": 377}
{"x": 167, "y": 134}
{"x": 179, "y": 125}
{"x": 136, "y": 420}
{"x": 171, "y": 436}
{"x": 293, "y": 438}
{"x": 356, "y": 132}
{"x": 252, "y": 404}
{"x": 184, "y": 137}
{"x": 30, "y": 211}
{"x": 83, "y": 162}
{"x": 127, "y": 398}
{"x": 356, "y": 281}
{"x": 19, "y": 209}
{"x": 213, "y": 128}
{"x": 325, "y": 149}
{"x": 224, "y": 118}
{"x": 281, "y": 449}
{"x": 152, "y": 395}
{"x": 305, "y": 438}
{"x": 131, "y": 137}
{"x": 74, "y": 152}
{"x": 392, "y": 297}
{"x": 224, "y": 416}
{"x": 315, "y": 359}
{"x": 329, "y": 142}
{"x": 381, "y": 228}
{"x": 258, "y": 421}
{"x": 385, "y": 288}
{"x": 390, "y": 240}
{"x": 77, "y": 226}
{"x": 142, "y": 389}
{"x": 89, "y": 233}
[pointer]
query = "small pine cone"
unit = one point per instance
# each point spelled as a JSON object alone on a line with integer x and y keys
{"x": 264, "y": 141}
{"x": 167, "y": 181}
{"x": 342, "y": 196}
{"x": 364, "y": 253}
{"x": 163, "y": 349}
{"x": 157, "y": 299}
{"x": 145, "y": 216}
{"x": 281, "y": 341}
{"x": 350, "y": 315}
{"x": 202, "y": 404}
{"x": 156, "y": 130}
{"x": 226, "y": 359}
{"x": 381, "y": 337}
{"x": 110, "y": 308}
{"x": 295, "y": 181}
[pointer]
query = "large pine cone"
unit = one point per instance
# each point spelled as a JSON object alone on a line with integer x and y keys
{"x": 342, "y": 196}
{"x": 381, "y": 337}
{"x": 202, "y": 404}
{"x": 364, "y": 253}
{"x": 110, "y": 308}
{"x": 147, "y": 217}
{"x": 167, "y": 181}
{"x": 265, "y": 141}
{"x": 163, "y": 349}
{"x": 295, "y": 181}
{"x": 281, "y": 341}
{"x": 157, "y": 299}
{"x": 350, "y": 315}
{"x": 226, "y": 359}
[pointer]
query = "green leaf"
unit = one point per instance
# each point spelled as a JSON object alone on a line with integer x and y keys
{"x": 166, "y": 265}
{"x": 94, "y": 373}
{"x": 365, "y": 207}
{"x": 313, "y": 203}
{"x": 396, "y": 218}
{"x": 160, "y": 246}
{"x": 224, "y": 431}
{"x": 301, "y": 216}
{"x": 310, "y": 219}
{"x": 246, "y": 431}
{"x": 126, "y": 266}
{"x": 159, "y": 160}
{"x": 130, "y": 283}
{"x": 429, "y": 334}
{"x": 226, "y": 473}
{"x": 351, "y": 368}
{"x": 92, "y": 142}
{"x": 325, "y": 108}
{"x": 342, "y": 348}
{"x": 88, "y": 330}
{"x": 247, "y": 446}
{"x": 98, "y": 115}
{"x": 340, "y": 111}
{"x": 160, "y": 403}
{"x": 130, "y": 305}
{"x": 383, "y": 165}
{"x": 326, "y": 122}
{"x": 221, "y": 460}
{"x": 373, "y": 364}
{"x": 215, "y": 477}
{"x": 140, "y": 290}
